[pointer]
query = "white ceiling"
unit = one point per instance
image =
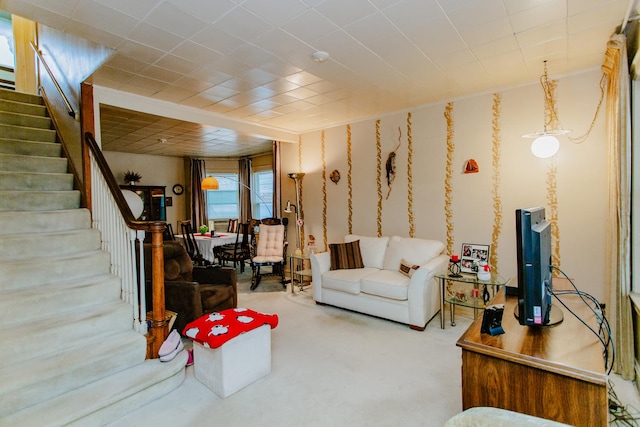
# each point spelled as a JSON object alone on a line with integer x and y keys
{"x": 251, "y": 60}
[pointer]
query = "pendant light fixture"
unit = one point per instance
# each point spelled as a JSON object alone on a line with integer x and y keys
{"x": 546, "y": 143}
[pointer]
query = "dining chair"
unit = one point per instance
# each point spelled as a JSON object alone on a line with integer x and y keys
{"x": 168, "y": 233}
{"x": 190, "y": 242}
{"x": 239, "y": 252}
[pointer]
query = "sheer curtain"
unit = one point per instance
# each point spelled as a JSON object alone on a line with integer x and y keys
{"x": 618, "y": 245}
{"x": 198, "y": 197}
{"x": 244, "y": 175}
{"x": 277, "y": 179}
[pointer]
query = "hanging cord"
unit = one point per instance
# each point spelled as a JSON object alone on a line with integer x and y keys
{"x": 581, "y": 139}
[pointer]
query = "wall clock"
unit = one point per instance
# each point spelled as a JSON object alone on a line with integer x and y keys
{"x": 178, "y": 189}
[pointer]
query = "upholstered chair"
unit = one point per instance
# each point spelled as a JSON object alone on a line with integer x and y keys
{"x": 191, "y": 291}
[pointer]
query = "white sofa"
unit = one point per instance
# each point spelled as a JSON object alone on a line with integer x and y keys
{"x": 379, "y": 289}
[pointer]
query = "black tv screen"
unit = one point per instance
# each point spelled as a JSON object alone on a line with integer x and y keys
{"x": 533, "y": 234}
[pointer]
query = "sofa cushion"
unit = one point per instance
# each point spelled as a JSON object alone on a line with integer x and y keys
{"x": 345, "y": 255}
{"x": 413, "y": 250}
{"x": 346, "y": 280}
{"x": 373, "y": 249}
{"x": 386, "y": 284}
{"x": 406, "y": 268}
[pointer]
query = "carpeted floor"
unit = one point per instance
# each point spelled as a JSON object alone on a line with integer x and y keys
{"x": 332, "y": 367}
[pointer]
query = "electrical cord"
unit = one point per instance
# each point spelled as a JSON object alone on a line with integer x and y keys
{"x": 602, "y": 320}
{"x": 619, "y": 413}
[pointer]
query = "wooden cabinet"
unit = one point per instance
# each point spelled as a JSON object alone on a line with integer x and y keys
{"x": 554, "y": 372}
{"x": 153, "y": 201}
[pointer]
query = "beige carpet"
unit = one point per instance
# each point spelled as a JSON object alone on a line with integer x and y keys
{"x": 332, "y": 367}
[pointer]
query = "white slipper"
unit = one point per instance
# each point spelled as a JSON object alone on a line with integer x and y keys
{"x": 170, "y": 344}
{"x": 173, "y": 354}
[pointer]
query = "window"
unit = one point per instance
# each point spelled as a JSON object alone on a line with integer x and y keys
{"x": 223, "y": 203}
{"x": 262, "y": 194}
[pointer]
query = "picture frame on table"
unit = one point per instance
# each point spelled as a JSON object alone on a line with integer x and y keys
{"x": 472, "y": 254}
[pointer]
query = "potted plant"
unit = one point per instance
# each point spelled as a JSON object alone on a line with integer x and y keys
{"x": 203, "y": 229}
{"x": 131, "y": 178}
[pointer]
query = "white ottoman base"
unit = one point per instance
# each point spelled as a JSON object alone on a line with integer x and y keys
{"x": 236, "y": 364}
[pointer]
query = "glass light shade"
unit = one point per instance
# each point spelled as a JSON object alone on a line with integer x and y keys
{"x": 545, "y": 146}
{"x": 209, "y": 183}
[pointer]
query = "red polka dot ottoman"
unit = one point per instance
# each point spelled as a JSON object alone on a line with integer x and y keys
{"x": 231, "y": 348}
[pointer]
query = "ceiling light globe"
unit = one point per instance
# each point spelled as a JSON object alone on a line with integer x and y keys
{"x": 545, "y": 146}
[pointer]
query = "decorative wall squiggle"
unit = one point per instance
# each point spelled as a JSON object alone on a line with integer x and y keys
{"x": 495, "y": 190}
{"x": 379, "y": 180}
{"x": 552, "y": 213}
{"x": 349, "y": 183}
{"x": 448, "y": 193}
{"x": 412, "y": 224}
{"x": 300, "y": 209}
{"x": 324, "y": 190}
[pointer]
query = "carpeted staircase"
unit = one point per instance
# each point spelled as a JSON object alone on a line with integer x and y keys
{"x": 69, "y": 352}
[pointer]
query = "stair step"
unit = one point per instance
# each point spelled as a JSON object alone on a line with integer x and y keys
{"x": 17, "y": 247}
{"x": 28, "y": 134}
{"x": 44, "y": 221}
{"x": 56, "y": 269}
{"x": 25, "y": 120}
{"x": 35, "y": 181}
{"x": 41, "y": 379}
{"x": 69, "y": 329}
{"x": 23, "y": 107}
{"x": 22, "y": 163}
{"x": 29, "y": 305}
{"x": 39, "y": 200}
{"x": 21, "y": 97}
{"x": 30, "y": 148}
{"x": 100, "y": 402}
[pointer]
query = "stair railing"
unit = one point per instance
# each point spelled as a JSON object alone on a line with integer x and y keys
{"x": 123, "y": 236}
{"x": 67, "y": 104}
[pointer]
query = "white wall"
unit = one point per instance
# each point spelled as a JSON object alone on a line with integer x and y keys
{"x": 581, "y": 176}
{"x": 155, "y": 170}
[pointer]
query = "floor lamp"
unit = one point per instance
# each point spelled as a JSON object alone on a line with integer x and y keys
{"x": 296, "y": 177}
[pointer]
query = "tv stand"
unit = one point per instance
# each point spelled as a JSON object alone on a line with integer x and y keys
{"x": 555, "y": 372}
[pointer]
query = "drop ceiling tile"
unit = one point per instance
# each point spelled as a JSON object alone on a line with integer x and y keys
{"x": 105, "y": 18}
{"x": 139, "y": 52}
{"x": 195, "y": 53}
{"x": 251, "y": 55}
{"x": 496, "y": 47}
{"x": 137, "y": 9}
{"x": 258, "y": 77}
{"x": 243, "y": 24}
{"x": 173, "y": 19}
{"x": 221, "y": 91}
{"x": 216, "y": 39}
{"x": 591, "y": 18}
{"x": 309, "y": 27}
{"x": 538, "y": 16}
{"x": 156, "y": 37}
{"x": 487, "y": 32}
{"x": 541, "y": 34}
{"x": 467, "y": 14}
{"x": 60, "y": 7}
{"x": 206, "y": 10}
{"x": 88, "y": 32}
{"x": 276, "y": 14}
{"x": 161, "y": 74}
{"x": 176, "y": 64}
{"x": 346, "y": 12}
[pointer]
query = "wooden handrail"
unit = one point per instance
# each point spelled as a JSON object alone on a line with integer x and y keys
{"x": 70, "y": 109}
{"x": 159, "y": 324}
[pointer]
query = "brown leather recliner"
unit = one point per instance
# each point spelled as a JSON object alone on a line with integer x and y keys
{"x": 191, "y": 291}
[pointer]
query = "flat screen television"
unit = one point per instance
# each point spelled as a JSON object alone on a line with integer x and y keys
{"x": 533, "y": 234}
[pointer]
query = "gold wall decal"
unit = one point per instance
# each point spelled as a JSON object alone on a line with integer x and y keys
{"x": 552, "y": 213}
{"x": 379, "y": 178}
{"x": 495, "y": 190}
{"x": 448, "y": 210}
{"x": 412, "y": 224}
{"x": 300, "y": 209}
{"x": 349, "y": 182}
{"x": 324, "y": 189}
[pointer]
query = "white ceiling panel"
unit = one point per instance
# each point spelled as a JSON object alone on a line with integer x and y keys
{"x": 251, "y": 60}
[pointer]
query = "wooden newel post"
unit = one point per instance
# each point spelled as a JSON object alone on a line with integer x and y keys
{"x": 159, "y": 322}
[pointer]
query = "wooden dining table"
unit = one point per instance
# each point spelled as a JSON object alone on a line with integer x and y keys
{"x": 206, "y": 243}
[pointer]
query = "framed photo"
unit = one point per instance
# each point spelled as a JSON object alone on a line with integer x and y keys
{"x": 472, "y": 254}
{"x": 168, "y": 201}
